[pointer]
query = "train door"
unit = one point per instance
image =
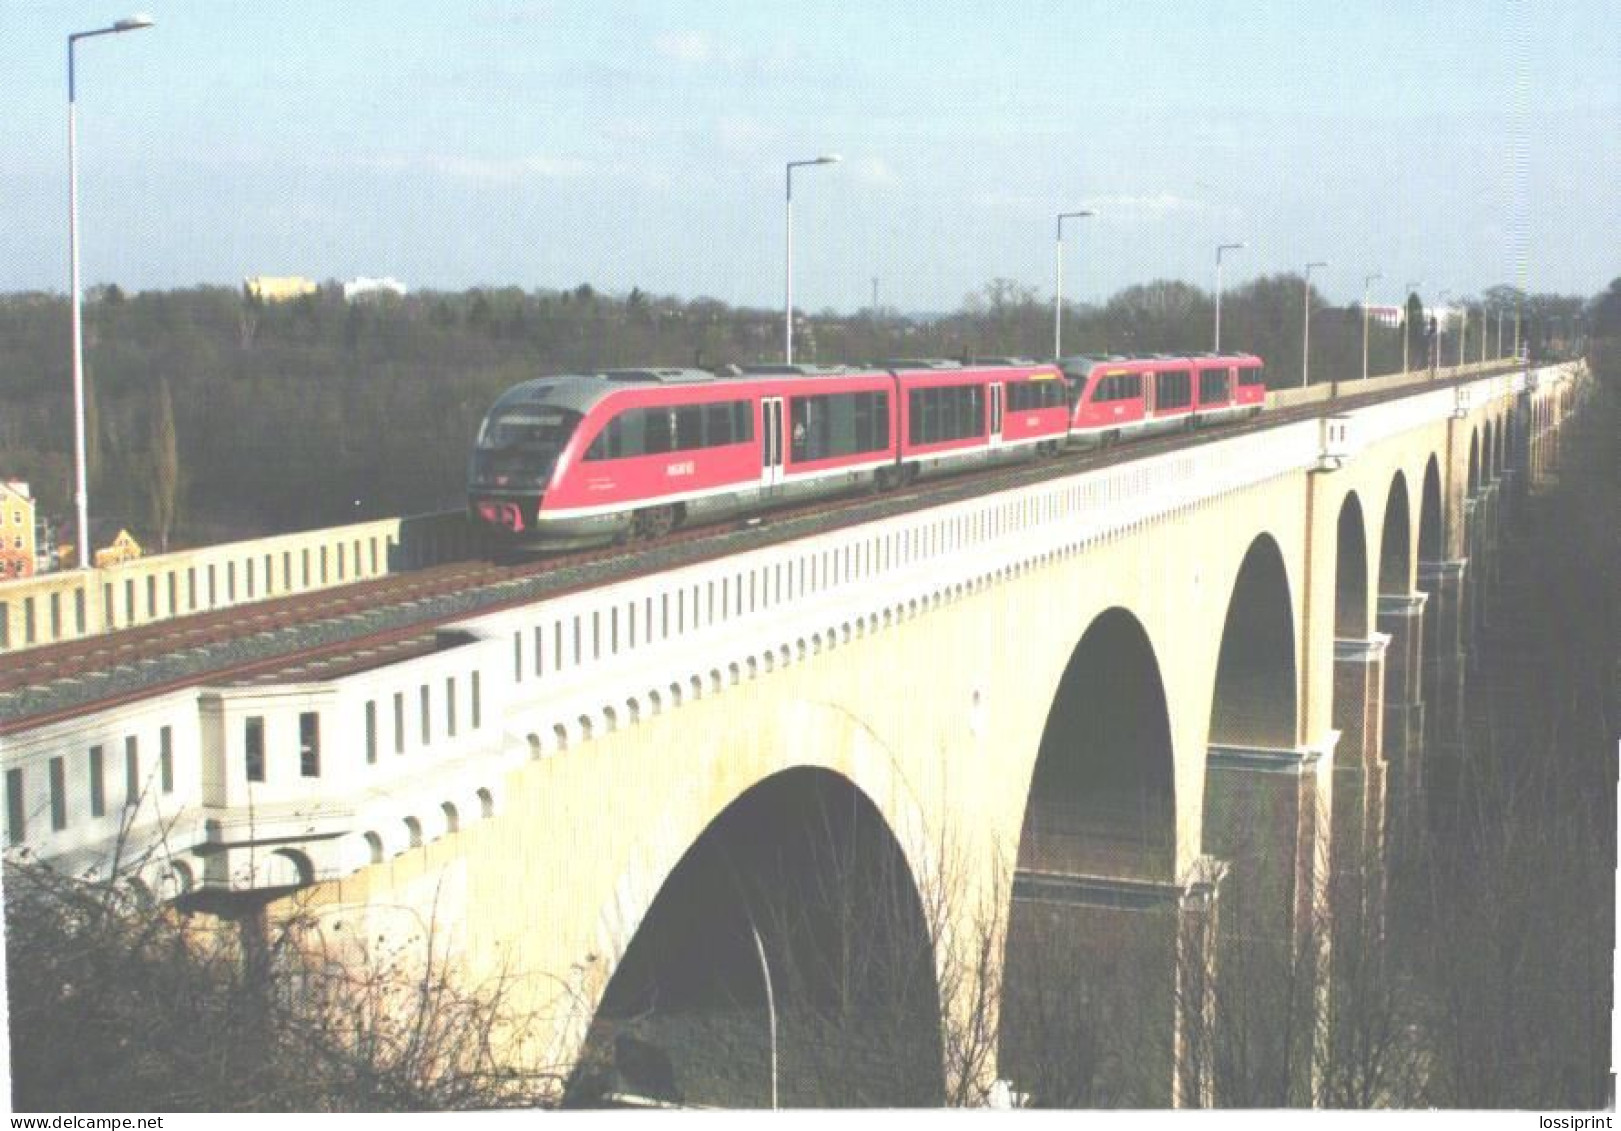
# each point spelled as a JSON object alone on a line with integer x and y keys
{"x": 771, "y": 447}
{"x": 996, "y": 414}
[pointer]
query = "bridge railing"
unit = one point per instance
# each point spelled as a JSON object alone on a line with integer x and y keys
{"x": 69, "y": 604}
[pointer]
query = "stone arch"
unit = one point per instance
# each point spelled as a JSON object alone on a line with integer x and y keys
{"x": 1082, "y": 976}
{"x": 413, "y": 832}
{"x": 1432, "y": 518}
{"x": 1395, "y": 542}
{"x": 1102, "y": 796}
{"x": 486, "y": 803}
{"x": 1474, "y": 462}
{"x": 796, "y": 902}
{"x": 288, "y": 867}
{"x": 1351, "y": 572}
{"x": 1255, "y": 703}
{"x": 374, "y": 848}
{"x": 452, "y": 819}
{"x": 1488, "y": 453}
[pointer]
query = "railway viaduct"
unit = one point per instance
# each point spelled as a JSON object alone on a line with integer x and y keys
{"x": 999, "y": 788}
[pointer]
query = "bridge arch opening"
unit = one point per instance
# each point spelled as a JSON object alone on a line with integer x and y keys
{"x": 1101, "y": 800}
{"x": 796, "y": 903}
{"x": 1474, "y": 462}
{"x": 1431, "y": 531}
{"x": 1087, "y": 976}
{"x": 1488, "y": 454}
{"x": 1254, "y": 704}
{"x": 1351, "y": 573}
{"x": 1395, "y": 542}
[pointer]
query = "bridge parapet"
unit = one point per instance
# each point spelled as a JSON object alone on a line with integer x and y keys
{"x": 69, "y": 604}
{"x": 277, "y": 784}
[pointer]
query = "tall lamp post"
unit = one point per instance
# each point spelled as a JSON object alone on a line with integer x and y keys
{"x": 1216, "y": 348}
{"x": 1367, "y": 281}
{"x": 1058, "y": 281}
{"x": 81, "y": 490}
{"x": 788, "y": 271}
{"x": 1406, "y": 330}
{"x": 1305, "y": 336}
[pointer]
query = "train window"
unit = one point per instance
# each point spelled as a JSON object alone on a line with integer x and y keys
{"x": 1252, "y": 375}
{"x": 1173, "y": 389}
{"x": 839, "y": 424}
{"x": 1212, "y": 385}
{"x": 939, "y": 415}
{"x": 718, "y": 425}
{"x": 1025, "y": 396}
{"x": 654, "y": 431}
{"x": 689, "y": 427}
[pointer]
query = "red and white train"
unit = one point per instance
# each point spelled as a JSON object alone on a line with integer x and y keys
{"x": 579, "y": 460}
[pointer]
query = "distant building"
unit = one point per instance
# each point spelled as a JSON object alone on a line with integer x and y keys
{"x": 1388, "y": 316}
{"x": 110, "y": 544}
{"x": 279, "y": 288}
{"x": 16, "y": 529}
{"x": 1443, "y": 316}
{"x": 365, "y": 287}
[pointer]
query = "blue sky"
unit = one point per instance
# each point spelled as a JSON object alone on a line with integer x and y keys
{"x": 546, "y": 142}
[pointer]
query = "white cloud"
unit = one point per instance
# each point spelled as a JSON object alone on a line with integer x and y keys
{"x": 684, "y": 46}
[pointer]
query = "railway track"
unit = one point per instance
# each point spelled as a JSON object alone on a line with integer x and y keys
{"x": 381, "y": 620}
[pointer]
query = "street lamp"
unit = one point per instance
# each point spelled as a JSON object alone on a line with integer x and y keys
{"x": 1058, "y": 285}
{"x": 1367, "y": 281}
{"x": 1221, "y": 248}
{"x": 788, "y": 288}
{"x": 1406, "y": 330}
{"x": 1305, "y": 337}
{"x": 81, "y": 491}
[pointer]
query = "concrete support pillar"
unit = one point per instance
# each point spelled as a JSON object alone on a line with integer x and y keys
{"x": 1107, "y": 989}
{"x": 1357, "y": 883}
{"x": 1444, "y": 658}
{"x": 1401, "y": 618}
{"x": 1267, "y": 814}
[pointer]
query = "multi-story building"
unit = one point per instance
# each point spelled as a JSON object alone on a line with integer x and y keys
{"x": 16, "y": 529}
{"x": 278, "y": 288}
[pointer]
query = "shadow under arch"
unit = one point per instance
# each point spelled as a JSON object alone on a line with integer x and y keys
{"x": 1255, "y": 699}
{"x": 1395, "y": 542}
{"x": 1474, "y": 462}
{"x": 1351, "y": 572}
{"x": 1431, "y": 518}
{"x": 795, "y": 902}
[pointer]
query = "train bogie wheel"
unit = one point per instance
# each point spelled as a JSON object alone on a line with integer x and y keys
{"x": 654, "y": 523}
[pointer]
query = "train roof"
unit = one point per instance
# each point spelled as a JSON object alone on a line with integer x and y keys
{"x": 1084, "y": 364}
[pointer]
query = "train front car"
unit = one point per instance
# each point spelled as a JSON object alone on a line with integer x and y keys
{"x": 516, "y": 453}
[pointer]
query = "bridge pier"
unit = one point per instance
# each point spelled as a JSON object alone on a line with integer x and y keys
{"x": 1443, "y": 652}
{"x": 1267, "y": 813}
{"x": 1107, "y": 989}
{"x": 1401, "y": 618}
{"x": 1359, "y": 782}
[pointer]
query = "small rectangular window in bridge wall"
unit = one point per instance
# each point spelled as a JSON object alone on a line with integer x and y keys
{"x": 309, "y": 744}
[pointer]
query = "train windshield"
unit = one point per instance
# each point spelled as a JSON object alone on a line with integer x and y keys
{"x": 531, "y": 428}
{"x": 518, "y": 445}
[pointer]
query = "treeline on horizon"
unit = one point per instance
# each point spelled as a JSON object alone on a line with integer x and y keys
{"x": 213, "y": 415}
